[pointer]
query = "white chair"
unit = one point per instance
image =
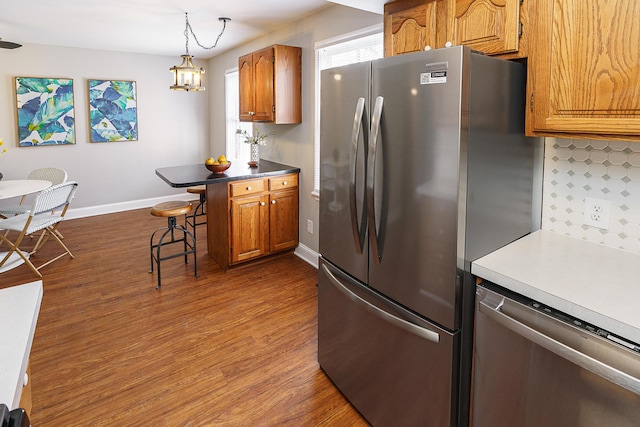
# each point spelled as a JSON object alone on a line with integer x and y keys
{"x": 46, "y": 213}
{"x": 55, "y": 175}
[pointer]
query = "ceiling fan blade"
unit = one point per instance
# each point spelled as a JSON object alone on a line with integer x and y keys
{"x": 8, "y": 45}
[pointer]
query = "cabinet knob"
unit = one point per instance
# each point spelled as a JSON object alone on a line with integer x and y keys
{"x": 273, "y": 202}
{"x": 284, "y": 183}
{"x": 261, "y": 203}
{"x": 248, "y": 188}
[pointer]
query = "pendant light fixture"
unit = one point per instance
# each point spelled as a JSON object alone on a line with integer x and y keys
{"x": 186, "y": 75}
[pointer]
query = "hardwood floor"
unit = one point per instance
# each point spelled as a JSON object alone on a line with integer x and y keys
{"x": 231, "y": 349}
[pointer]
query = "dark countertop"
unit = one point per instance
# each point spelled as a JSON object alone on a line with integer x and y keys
{"x": 190, "y": 175}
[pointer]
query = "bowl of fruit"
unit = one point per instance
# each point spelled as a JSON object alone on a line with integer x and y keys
{"x": 218, "y": 165}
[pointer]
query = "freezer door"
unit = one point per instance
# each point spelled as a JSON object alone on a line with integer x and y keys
{"x": 394, "y": 367}
{"x": 413, "y": 176}
{"x": 344, "y": 128}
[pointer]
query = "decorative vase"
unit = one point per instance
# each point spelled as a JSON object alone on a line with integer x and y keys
{"x": 255, "y": 155}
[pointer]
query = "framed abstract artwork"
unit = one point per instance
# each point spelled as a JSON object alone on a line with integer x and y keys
{"x": 45, "y": 111}
{"x": 113, "y": 111}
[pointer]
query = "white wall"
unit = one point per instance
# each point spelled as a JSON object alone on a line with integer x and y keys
{"x": 291, "y": 144}
{"x": 173, "y": 126}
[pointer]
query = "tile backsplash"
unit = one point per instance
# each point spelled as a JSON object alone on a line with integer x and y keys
{"x": 579, "y": 168}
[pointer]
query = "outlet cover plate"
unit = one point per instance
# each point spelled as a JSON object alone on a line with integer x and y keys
{"x": 597, "y": 212}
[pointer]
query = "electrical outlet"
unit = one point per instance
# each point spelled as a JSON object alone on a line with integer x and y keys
{"x": 309, "y": 226}
{"x": 597, "y": 212}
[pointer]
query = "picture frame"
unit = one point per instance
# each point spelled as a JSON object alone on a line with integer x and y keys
{"x": 113, "y": 110}
{"x": 45, "y": 111}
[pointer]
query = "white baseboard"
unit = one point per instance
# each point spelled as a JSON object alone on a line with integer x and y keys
{"x": 123, "y": 206}
{"x": 307, "y": 254}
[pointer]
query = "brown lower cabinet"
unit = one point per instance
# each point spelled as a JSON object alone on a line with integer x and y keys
{"x": 252, "y": 218}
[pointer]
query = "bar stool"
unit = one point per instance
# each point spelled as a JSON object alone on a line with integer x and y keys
{"x": 200, "y": 210}
{"x": 171, "y": 210}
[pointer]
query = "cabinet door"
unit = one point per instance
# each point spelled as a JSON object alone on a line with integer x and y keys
{"x": 586, "y": 62}
{"x": 283, "y": 220}
{"x": 287, "y": 84}
{"x": 263, "y": 85}
{"x": 245, "y": 82}
{"x": 411, "y": 25}
{"x": 489, "y": 26}
{"x": 249, "y": 228}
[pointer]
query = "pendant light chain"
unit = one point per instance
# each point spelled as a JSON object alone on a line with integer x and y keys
{"x": 187, "y": 76}
{"x": 188, "y": 29}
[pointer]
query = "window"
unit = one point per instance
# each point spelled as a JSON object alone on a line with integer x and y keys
{"x": 236, "y": 149}
{"x": 359, "y": 46}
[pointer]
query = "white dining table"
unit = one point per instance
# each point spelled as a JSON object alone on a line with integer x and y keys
{"x": 16, "y": 188}
{"x": 19, "y": 187}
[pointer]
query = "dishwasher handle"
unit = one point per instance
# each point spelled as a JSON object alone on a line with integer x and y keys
{"x": 494, "y": 310}
{"x": 403, "y": 324}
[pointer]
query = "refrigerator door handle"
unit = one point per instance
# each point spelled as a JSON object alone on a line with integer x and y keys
{"x": 371, "y": 174}
{"x": 396, "y": 321}
{"x": 574, "y": 356}
{"x": 358, "y": 232}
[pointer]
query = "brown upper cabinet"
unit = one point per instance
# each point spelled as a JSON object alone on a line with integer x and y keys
{"x": 494, "y": 27}
{"x": 584, "y": 69}
{"x": 270, "y": 82}
{"x": 583, "y": 57}
{"x": 411, "y": 25}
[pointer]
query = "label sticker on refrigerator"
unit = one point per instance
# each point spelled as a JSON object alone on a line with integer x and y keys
{"x": 433, "y": 77}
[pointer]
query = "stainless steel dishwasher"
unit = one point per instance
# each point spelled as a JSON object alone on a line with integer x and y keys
{"x": 535, "y": 366}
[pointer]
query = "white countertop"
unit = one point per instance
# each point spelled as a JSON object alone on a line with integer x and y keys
{"x": 19, "y": 309}
{"x": 597, "y": 284}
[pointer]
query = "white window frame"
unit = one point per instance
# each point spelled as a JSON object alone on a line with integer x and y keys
{"x": 235, "y": 148}
{"x": 365, "y": 32}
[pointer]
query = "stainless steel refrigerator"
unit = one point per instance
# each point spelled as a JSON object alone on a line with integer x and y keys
{"x": 424, "y": 168}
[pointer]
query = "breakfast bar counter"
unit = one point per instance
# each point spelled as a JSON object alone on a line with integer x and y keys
{"x": 190, "y": 175}
{"x": 252, "y": 213}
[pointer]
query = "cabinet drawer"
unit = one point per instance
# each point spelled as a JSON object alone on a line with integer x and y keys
{"x": 283, "y": 182}
{"x": 242, "y": 188}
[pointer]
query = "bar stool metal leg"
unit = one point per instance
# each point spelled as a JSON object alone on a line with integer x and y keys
{"x": 192, "y": 219}
{"x": 168, "y": 237}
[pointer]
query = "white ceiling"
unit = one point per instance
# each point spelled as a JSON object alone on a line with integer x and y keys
{"x": 154, "y": 26}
